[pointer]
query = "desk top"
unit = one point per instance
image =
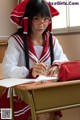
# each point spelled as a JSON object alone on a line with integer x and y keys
{"x": 40, "y": 85}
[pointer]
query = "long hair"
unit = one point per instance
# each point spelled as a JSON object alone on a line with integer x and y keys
{"x": 34, "y": 8}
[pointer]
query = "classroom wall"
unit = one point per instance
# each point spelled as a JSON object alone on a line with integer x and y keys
{"x": 6, "y": 27}
{"x": 71, "y": 45}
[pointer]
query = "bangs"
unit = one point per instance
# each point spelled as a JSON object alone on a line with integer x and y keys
{"x": 37, "y": 9}
{"x": 42, "y": 10}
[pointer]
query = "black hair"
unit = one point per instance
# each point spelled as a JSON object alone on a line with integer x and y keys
{"x": 51, "y": 48}
{"x": 34, "y": 8}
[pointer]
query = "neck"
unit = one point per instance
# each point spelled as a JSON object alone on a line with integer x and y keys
{"x": 37, "y": 39}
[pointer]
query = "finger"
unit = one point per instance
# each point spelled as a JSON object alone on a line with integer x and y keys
{"x": 37, "y": 71}
{"x": 41, "y": 65}
{"x": 52, "y": 71}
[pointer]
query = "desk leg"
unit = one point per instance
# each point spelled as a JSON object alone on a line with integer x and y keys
{"x": 33, "y": 113}
{"x": 11, "y": 102}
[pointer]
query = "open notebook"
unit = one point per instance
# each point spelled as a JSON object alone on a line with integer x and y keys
{"x": 9, "y": 82}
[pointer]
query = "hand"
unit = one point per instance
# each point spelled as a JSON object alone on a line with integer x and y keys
{"x": 38, "y": 69}
{"x": 53, "y": 71}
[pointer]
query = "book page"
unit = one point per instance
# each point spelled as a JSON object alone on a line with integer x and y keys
{"x": 9, "y": 82}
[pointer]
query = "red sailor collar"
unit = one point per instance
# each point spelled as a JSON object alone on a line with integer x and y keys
{"x": 45, "y": 53}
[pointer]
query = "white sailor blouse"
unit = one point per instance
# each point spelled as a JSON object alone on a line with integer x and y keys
{"x": 14, "y": 59}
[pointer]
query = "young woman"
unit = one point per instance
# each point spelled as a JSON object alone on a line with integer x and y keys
{"x": 32, "y": 50}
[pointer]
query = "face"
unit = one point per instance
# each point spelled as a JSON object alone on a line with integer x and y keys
{"x": 39, "y": 24}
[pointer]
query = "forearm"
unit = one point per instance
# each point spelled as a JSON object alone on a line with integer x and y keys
{"x": 15, "y": 71}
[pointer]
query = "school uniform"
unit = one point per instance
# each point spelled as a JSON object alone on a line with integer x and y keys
{"x": 14, "y": 59}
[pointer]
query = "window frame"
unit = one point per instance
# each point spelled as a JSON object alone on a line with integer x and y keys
{"x": 67, "y": 29}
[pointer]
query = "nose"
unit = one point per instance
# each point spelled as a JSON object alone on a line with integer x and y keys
{"x": 42, "y": 20}
{"x": 41, "y": 24}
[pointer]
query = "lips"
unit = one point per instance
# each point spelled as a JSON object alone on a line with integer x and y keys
{"x": 40, "y": 29}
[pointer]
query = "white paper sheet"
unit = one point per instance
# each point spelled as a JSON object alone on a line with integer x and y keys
{"x": 16, "y": 81}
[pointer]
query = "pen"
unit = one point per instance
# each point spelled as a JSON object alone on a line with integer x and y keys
{"x": 45, "y": 66}
{"x": 47, "y": 70}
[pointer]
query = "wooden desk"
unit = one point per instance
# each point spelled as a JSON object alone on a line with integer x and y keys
{"x": 3, "y": 46}
{"x": 49, "y": 96}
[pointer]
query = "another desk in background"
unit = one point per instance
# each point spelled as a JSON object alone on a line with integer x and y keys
{"x": 1, "y": 77}
{"x": 3, "y": 46}
{"x": 49, "y": 96}
{"x": 1, "y": 71}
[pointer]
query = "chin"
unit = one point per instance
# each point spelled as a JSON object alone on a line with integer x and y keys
{"x": 40, "y": 31}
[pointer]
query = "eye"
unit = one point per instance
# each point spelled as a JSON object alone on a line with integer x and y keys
{"x": 46, "y": 18}
{"x": 36, "y": 18}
